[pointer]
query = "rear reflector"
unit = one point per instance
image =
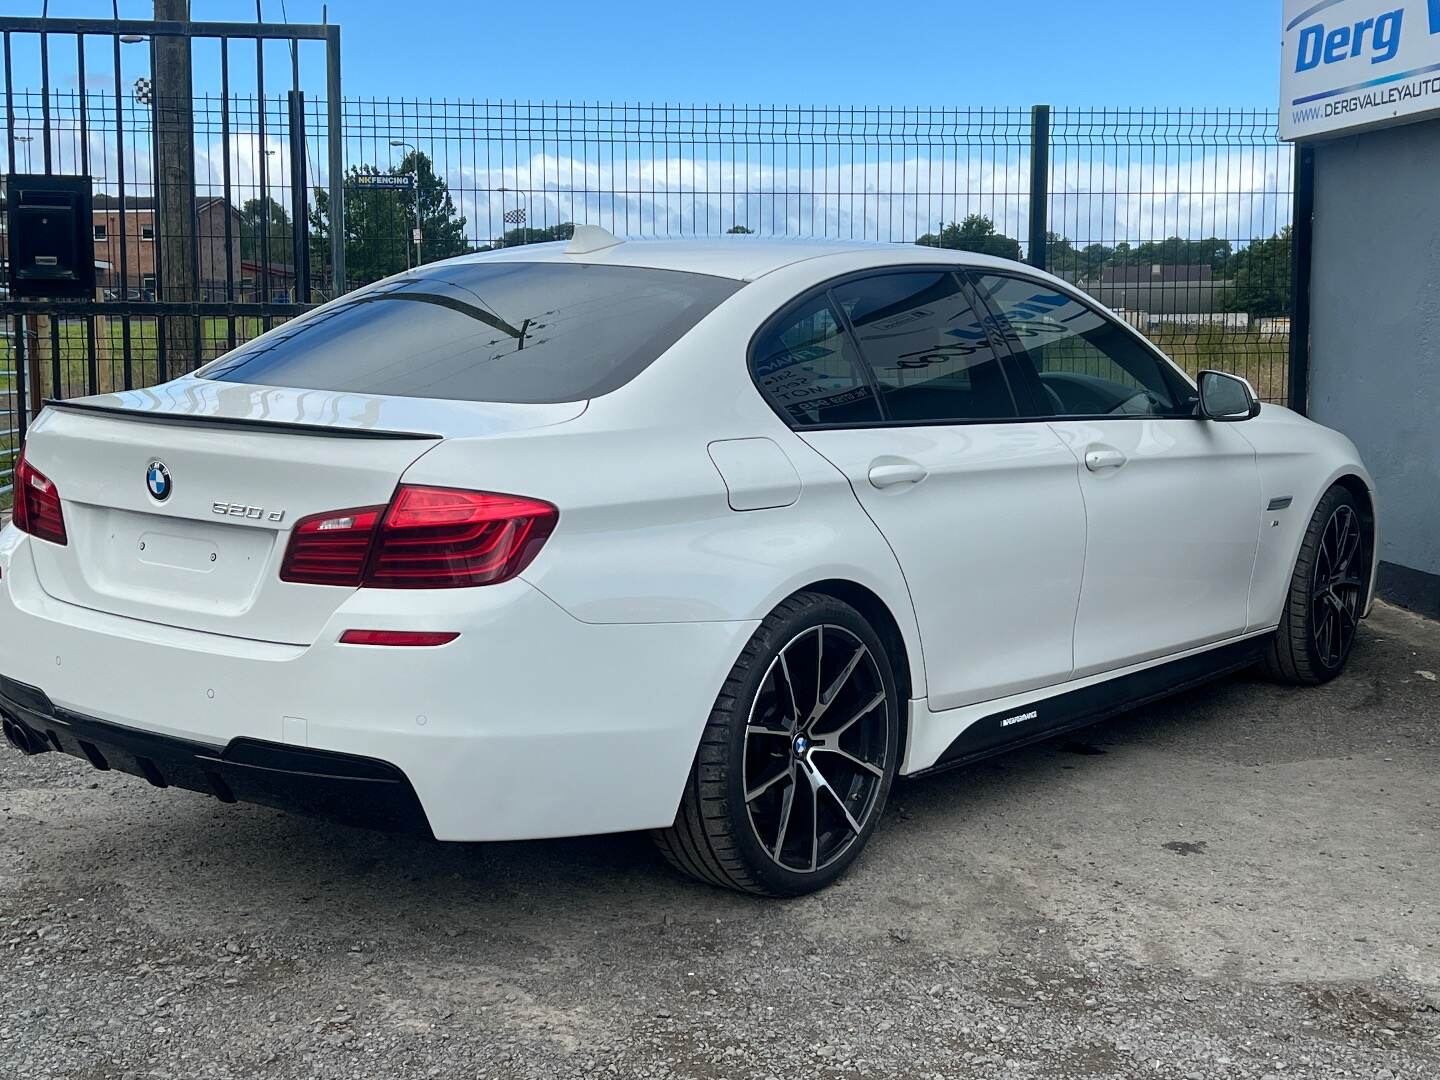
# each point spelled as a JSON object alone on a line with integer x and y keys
{"x": 37, "y": 504}
{"x": 427, "y": 538}
{"x": 396, "y": 637}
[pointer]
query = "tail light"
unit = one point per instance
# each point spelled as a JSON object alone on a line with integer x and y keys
{"x": 441, "y": 538}
{"x": 37, "y": 504}
{"x": 427, "y": 538}
{"x": 331, "y": 548}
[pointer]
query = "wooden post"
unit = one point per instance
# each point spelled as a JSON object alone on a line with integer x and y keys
{"x": 102, "y": 337}
{"x": 175, "y": 156}
{"x": 39, "y": 363}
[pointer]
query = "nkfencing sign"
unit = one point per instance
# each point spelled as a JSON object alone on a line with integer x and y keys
{"x": 1358, "y": 63}
{"x": 386, "y": 182}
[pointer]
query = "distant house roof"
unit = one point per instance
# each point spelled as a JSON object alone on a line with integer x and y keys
{"x": 147, "y": 202}
{"x": 132, "y": 202}
{"x": 1157, "y": 272}
{"x": 252, "y": 268}
{"x": 1160, "y": 297}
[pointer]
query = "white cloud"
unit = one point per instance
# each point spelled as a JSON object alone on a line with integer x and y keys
{"x": 1231, "y": 194}
{"x": 1101, "y": 192}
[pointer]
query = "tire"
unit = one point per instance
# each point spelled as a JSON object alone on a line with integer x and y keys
{"x": 766, "y": 759}
{"x": 1327, "y": 594}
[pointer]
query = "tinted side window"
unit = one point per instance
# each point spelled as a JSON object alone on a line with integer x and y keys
{"x": 1088, "y": 364}
{"x": 926, "y": 347}
{"x": 805, "y": 365}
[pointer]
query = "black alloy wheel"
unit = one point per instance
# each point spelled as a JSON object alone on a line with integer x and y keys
{"x": 797, "y": 758}
{"x": 1328, "y": 591}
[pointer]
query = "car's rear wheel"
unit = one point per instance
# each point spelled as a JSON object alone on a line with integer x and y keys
{"x": 797, "y": 758}
{"x": 1327, "y": 594}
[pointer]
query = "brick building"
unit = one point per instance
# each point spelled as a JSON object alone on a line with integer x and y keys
{"x": 140, "y": 243}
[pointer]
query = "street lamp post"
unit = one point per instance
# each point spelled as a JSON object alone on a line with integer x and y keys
{"x": 26, "y": 139}
{"x": 416, "y": 159}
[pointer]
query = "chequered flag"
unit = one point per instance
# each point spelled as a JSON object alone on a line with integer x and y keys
{"x": 515, "y": 217}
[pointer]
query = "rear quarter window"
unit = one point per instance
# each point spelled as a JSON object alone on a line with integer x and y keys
{"x": 484, "y": 331}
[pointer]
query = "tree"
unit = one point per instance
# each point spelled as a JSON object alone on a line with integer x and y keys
{"x": 1089, "y": 263}
{"x": 739, "y": 229}
{"x": 1061, "y": 257}
{"x": 267, "y": 217}
{"x": 975, "y": 233}
{"x": 1215, "y": 251}
{"x": 378, "y": 222}
{"x": 1262, "y": 277}
{"x": 1094, "y": 259}
{"x": 526, "y": 234}
{"x": 1176, "y": 251}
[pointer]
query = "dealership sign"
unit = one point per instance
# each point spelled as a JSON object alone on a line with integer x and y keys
{"x": 1358, "y": 63}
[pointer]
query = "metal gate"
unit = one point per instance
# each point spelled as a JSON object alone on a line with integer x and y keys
{"x": 217, "y": 200}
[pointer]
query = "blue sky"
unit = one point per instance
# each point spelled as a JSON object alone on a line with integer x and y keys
{"x": 962, "y": 52}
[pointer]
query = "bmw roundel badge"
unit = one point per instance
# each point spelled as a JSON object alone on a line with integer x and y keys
{"x": 157, "y": 479}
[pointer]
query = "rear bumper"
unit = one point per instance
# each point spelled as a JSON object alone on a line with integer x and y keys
{"x": 530, "y": 724}
{"x": 344, "y": 788}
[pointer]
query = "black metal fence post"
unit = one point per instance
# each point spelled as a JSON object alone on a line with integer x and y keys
{"x": 1039, "y": 185}
{"x": 19, "y": 397}
{"x": 334, "y": 108}
{"x": 299, "y": 197}
{"x": 1301, "y": 255}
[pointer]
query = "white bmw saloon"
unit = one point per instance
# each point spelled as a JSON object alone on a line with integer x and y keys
{"x": 710, "y": 538}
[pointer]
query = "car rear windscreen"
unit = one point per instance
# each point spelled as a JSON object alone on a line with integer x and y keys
{"x": 484, "y": 331}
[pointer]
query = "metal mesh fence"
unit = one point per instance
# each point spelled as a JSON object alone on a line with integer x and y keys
{"x": 245, "y": 221}
{"x": 201, "y": 225}
{"x": 887, "y": 174}
{"x": 1178, "y": 219}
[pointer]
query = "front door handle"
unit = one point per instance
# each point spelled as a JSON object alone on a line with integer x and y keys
{"x": 894, "y": 473}
{"x": 1100, "y": 460}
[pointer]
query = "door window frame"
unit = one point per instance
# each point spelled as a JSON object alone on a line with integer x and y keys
{"x": 826, "y": 289}
{"x": 1024, "y": 373}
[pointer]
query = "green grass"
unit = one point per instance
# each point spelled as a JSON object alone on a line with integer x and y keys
{"x": 74, "y": 353}
{"x": 1263, "y": 360}
{"x": 66, "y": 372}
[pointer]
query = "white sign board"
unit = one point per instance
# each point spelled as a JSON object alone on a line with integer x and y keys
{"x": 1358, "y": 63}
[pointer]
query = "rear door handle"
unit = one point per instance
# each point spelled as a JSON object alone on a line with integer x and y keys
{"x": 894, "y": 473}
{"x": 1100, "y": 460}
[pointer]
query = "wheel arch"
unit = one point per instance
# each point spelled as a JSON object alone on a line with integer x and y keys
{"x": 1356, "y": 485}
{"x": 878, "y": 614}
{"x": 1294, "y": 655}
{"x": 1360, "y": 491}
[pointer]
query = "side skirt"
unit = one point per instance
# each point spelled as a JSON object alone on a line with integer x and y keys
{"x": 1023, "y": 725}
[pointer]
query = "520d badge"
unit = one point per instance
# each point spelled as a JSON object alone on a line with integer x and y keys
{"x": 249, "y": 513}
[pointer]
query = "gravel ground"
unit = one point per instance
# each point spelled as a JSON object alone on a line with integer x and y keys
{"x": 1240, "y": 882}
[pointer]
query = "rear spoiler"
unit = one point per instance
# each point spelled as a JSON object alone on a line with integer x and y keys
{"x": 232, "y": 422}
